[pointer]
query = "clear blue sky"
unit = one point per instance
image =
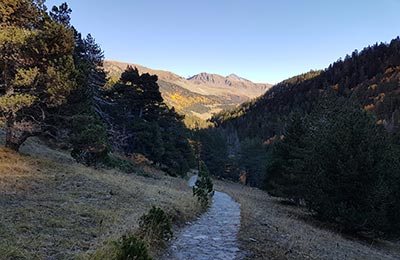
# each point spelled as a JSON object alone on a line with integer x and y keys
{"x": 262, "y": 40}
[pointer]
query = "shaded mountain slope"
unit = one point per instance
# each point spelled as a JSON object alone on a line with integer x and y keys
{"x": 371, "y": 76}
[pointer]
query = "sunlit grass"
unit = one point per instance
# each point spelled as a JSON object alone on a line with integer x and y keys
{"x": 52, "y": 207}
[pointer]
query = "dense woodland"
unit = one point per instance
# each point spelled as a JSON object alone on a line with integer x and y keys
{"x": 327, "y": 139}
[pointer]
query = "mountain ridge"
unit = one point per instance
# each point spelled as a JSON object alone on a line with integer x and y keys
{"x": 232, "y": 80}
{"x": 201, "y": 95}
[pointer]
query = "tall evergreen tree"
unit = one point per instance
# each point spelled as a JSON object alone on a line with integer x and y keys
{"x": 214, "y": 149}
{"x": 36, "y": 63}
{"x": 354, "y": 169}
{"x": 88, "y": 133}
{"x": 140, "y": 122}
{"x": 342, "y": 164}
{"x": 253, "y": 158}
{"x": 285, "y": 167}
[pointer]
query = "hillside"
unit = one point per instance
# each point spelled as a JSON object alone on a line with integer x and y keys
{"x": 201, "y": 95}
{"x": 54, "y": 208}
{"x": 272, "y": 229}
{"x": 371, "y": 76}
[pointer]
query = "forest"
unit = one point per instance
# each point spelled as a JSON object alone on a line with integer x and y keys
{"x": 327, "y": 140}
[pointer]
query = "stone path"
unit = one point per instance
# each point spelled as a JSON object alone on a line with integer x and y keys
{"x": 213, "y": 235}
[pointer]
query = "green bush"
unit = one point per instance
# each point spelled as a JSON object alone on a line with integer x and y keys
{"x": 126, "y": 166}
{"x": 131, "y": 248}
{"x": 155, "y": 226}
{"x": 203, "y": 186}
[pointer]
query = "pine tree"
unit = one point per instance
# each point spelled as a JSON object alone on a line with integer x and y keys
{"x": 37, "y": 68}
{"x": 140, "y": 122}
{"x": 253, "y": 158}
{"x": 214, "y": 150}
{"x": 285, "y": 167}
{"x": 88, "y": 133}
{"x": 354, "y": 168}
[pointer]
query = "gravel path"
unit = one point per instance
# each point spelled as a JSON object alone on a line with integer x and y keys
{"x": 213, "y": 235}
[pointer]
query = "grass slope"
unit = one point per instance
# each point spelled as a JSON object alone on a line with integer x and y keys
{"x": 53, "y": 208}
{"x": 271, "y": 230}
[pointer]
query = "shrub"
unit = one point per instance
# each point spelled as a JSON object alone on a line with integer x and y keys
{"x": 131, "y": 248}
{"x": 203, "y": 186}
{"x": 117, "y": 162}
{"x": 155, "y": 226}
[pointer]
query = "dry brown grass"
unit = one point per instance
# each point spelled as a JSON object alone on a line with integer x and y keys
{"x": 53, "y": 208}
{"x": 271, "y": 230}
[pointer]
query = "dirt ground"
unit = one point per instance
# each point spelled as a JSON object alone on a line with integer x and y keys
{"x": 272, "y": 230}
{"x": 53, "y": 208}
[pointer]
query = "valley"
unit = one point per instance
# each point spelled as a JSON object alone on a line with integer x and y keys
{"x": 109, "y": 160}
{"x": 199, "y": 96}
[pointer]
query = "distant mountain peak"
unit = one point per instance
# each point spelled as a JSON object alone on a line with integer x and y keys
{"x": 233, "y": 76}
{"x": 204, "y": 76}
{"x": 230, "y": 81}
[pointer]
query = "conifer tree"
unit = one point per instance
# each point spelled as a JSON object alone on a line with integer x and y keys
{"x": 140, "y": 122}
{"x": 253, "y": 158}
{"x": 37, "y": 67}
{"x": 354, "y": 169}
{"x": 285, "y": 173}
{"x": 88, "y": 133}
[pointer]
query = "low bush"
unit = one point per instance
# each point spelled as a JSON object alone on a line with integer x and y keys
{"x": 155, "y": 226}
{"x": 121, "y": 164}
{"x": 129, "y": 247}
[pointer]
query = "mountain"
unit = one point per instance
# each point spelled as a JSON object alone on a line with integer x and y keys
{"x": 199, "y": 96}
{"x": 231, "y": 81}
{"x": 236, "y": 77}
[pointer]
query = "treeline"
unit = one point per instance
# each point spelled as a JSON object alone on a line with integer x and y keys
{"x": 325, "y": 139}
{"x": 53, "y": 85}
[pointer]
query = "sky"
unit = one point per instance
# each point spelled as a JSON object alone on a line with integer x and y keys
{"x": 261, "y": 40}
